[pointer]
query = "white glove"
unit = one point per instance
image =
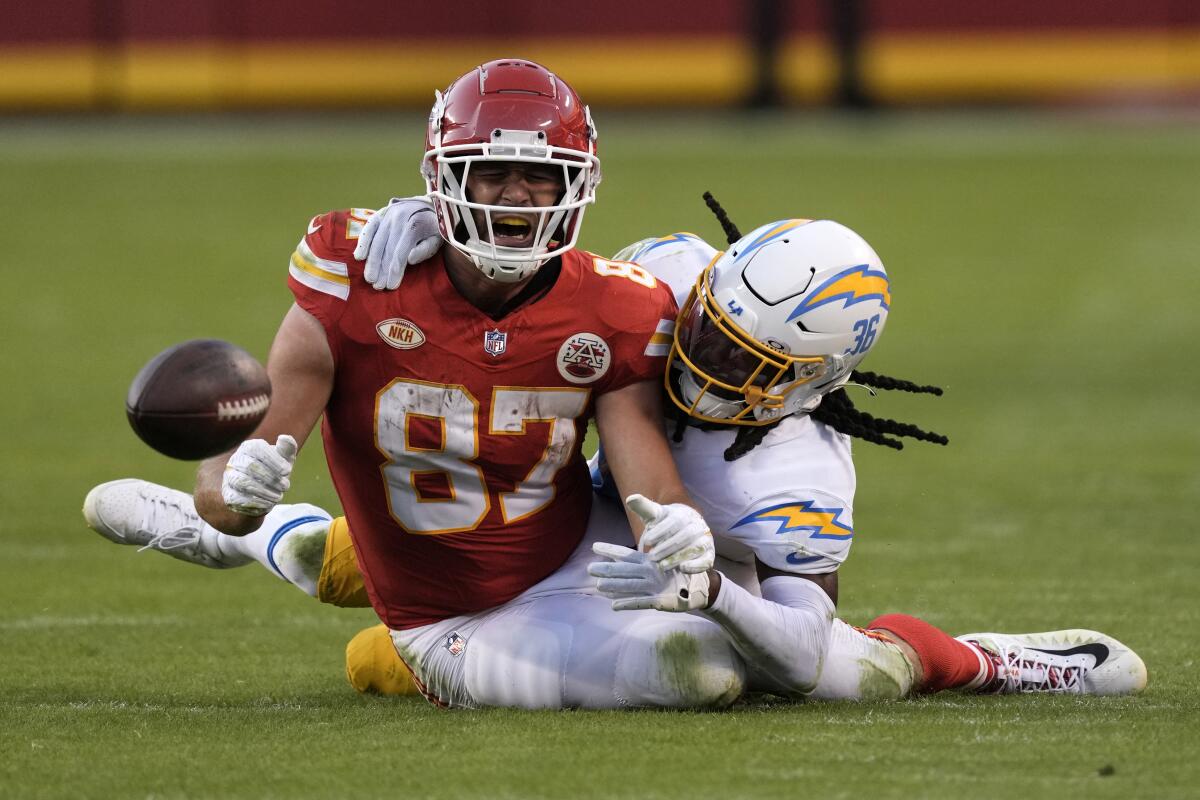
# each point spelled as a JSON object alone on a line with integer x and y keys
{"x": 675, "y": 535}
{"x": 633, "y": 582}
{"x": 403, "y": 232}
{"x": 257, "y": 475}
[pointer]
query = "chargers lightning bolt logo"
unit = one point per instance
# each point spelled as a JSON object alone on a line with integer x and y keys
{"x": 818, "y": 523}
{"x": 646, "y": 245}
{"x": 857, "y": 284}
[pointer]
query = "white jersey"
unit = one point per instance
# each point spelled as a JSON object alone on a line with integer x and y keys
{"x": 789, "y": 501}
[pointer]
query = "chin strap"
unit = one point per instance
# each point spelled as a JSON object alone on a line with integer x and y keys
{"x": 507, "y": 272}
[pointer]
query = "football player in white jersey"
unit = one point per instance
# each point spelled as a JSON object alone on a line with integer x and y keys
{"x": 775, "y": 485}
{"x": 768, "y": 333}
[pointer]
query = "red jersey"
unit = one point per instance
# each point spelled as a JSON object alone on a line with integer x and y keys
{"x": 454, "y": 440}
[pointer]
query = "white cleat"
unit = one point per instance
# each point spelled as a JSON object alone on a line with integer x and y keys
{"x": 153, "y": 517}
{"x": 1072, "y": 662}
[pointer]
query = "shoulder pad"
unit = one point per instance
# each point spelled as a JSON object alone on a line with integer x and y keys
{"x": 640, "y": 250}
{"x": 323, "y": 258}
{"x": 676, "y": 259}
{"x": 334, "y": 234}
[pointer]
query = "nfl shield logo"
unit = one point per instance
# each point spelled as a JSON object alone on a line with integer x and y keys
{"x": 455, "y": 643}
{"x": 495, "y": 342}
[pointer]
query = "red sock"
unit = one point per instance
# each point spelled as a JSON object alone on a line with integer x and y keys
{"x": 946, "y": 662}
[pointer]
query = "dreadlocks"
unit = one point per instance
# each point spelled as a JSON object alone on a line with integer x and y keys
{"x": 836, "y": 410}
{"x": 732, "y": 234}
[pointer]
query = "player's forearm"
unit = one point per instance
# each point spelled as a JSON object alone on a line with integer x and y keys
{"x": 211, "y": 505}
{"x": 670, "y": 493}
{"x": 785, "y": 640}
{"x": 635, "y": 446}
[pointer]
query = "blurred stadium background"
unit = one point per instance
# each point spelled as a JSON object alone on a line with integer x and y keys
{"x": 223, "y": 54}
{"x": 1026, "y": 169}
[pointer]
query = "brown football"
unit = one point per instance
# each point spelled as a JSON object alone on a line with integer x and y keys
{"x": 198, "y": 399}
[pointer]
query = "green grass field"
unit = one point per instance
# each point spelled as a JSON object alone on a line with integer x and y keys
{"x": 1045, "y": 272}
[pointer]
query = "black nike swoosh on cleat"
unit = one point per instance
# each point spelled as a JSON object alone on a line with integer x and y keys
{"x": 1095, "y": 650}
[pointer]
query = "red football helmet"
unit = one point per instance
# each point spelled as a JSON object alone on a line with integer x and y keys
{"x": 510, "y": 110}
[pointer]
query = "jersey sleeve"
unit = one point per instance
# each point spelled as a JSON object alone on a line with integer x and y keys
{"x": 322, "y": 266}
{"x": 803, "y": 531}
{"x": 643, "y": 327}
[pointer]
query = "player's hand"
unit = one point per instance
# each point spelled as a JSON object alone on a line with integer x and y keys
{"x": 403, "y": 232}
{"x": 258, "y": 474}
{"x": 675, "y": 535}
{"x": 632, "y": 582}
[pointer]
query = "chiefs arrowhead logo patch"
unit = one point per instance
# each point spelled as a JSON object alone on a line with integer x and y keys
{"x": 584, "y": 358}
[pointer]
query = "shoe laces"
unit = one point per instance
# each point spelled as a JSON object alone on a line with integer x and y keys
{"x": 1019, "y": 669}
{"x": 179, "y": 527}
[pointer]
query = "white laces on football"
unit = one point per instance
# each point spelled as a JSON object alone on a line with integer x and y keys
{"x": 1022, "y": 671}
{"x": 177, "y": 525}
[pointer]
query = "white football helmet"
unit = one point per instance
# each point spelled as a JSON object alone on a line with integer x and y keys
{"x": 510, "y": 110}
{"x": 777, "y": 322}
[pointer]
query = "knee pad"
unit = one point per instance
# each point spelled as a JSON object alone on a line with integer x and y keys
{"x": 678, "y": 662}
{"x": 373, "y": 667}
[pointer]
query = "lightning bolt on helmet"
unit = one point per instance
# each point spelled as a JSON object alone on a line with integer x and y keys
{"x": 777, "y": 322}
{"x": 509, "y": 110}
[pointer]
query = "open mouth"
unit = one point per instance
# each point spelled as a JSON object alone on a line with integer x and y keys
{"x": 509, "y": 230}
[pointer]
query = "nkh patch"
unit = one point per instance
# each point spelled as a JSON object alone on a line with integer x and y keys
{"x": 455, "y": 644}
{"x": 584, "y": 358}
{"x": 400, "y": 333}
{"x": 495, "y": 342}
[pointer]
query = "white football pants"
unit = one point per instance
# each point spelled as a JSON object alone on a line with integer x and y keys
{"x": 560, "y": 645}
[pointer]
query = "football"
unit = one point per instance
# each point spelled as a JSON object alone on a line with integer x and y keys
{"x": 198, "y": 399}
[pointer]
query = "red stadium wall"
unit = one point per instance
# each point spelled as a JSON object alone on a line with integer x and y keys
{"x": 132, "y": 54}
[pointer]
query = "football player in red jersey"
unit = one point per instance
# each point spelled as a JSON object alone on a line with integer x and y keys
{"x": 454, "y": 408}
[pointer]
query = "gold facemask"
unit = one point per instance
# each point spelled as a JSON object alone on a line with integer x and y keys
{"x": 728, "y": 366}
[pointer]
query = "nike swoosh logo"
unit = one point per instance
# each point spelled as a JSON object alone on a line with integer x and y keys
{"x": 1095, "y": 650}
{"x": 311, "y": 227}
